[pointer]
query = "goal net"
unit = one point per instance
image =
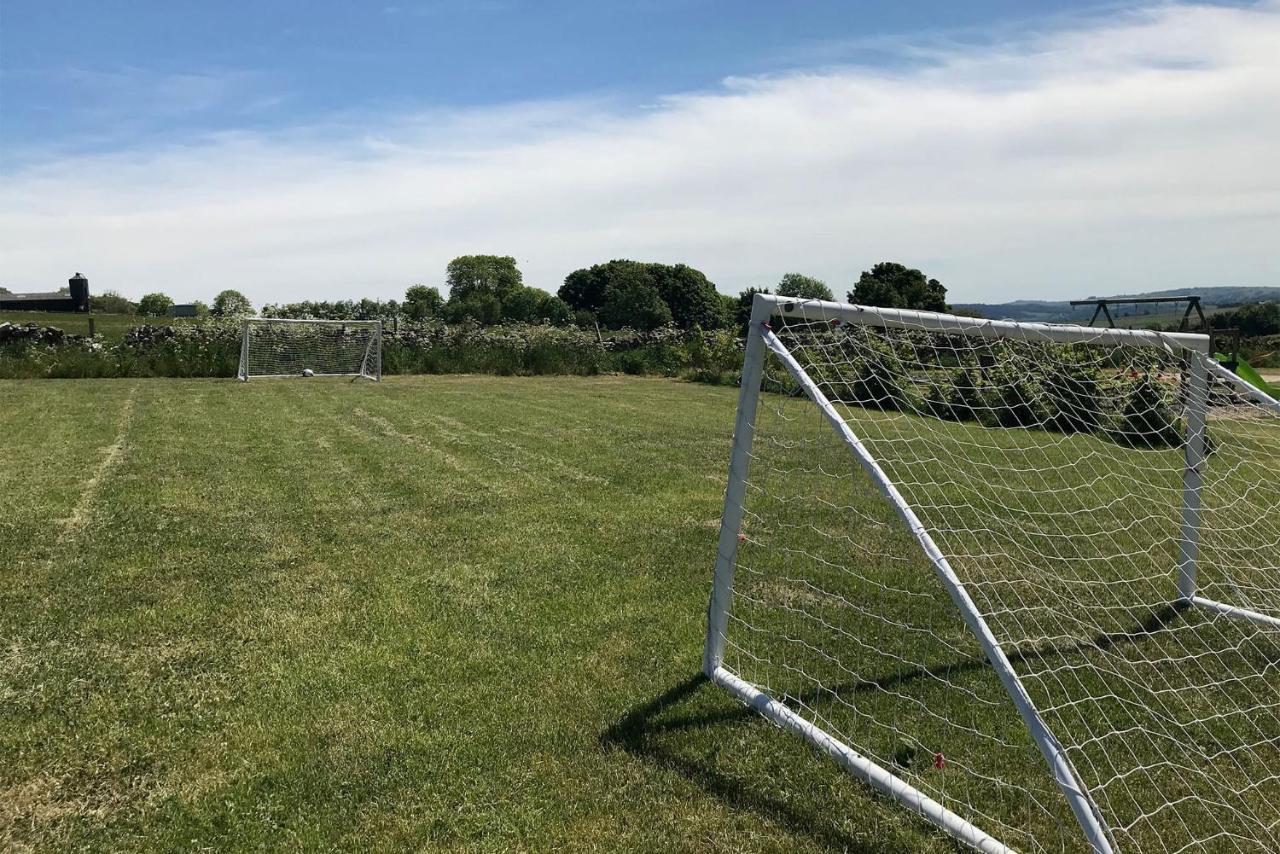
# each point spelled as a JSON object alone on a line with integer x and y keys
{"x": 276, "y": 347}
{"x": 1023, "y": 578}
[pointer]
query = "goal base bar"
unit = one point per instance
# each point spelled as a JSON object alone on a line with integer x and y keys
{"x": 243, "y": 378}
{"x": 857, "y": 764}
{"x": 1232, "y": 611}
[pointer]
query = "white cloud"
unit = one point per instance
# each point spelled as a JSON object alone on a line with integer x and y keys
{"x": 1131, "y": 153}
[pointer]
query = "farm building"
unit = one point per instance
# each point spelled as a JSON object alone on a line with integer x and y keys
{"x": 75, "y": 301}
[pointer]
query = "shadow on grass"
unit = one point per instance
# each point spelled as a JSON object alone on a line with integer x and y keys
{"x": 639, "y": 731}
{"x": 638, "y": 734}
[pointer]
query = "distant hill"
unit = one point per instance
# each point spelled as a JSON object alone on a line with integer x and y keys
{"x": 1062, "y": 312}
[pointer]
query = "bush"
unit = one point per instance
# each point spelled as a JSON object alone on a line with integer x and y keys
{"x": 1147, "y": 420}
{"x": 111, "y": 302}
{"x": 879, "y": 382}
{"x": 1016, "y": 398}
{"x": 155, "y": 305}
{"x": 960, "y": 399}
{"x": 1071, "y": 396}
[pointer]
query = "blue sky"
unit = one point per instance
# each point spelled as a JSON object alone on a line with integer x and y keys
{"x": 1015, "y": 149}
{"x": 79, "y": 75}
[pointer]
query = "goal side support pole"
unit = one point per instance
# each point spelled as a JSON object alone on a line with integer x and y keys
{"x": 1193, "y": 483}
{"x": 243, "y": 374}
{"x": 735, "y": 491}
{"x": 1248, "y": 388}
{"x": 1192, "y": 477}
{"x": 1078, "y": 797}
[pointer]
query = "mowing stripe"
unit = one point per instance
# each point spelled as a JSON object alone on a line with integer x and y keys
{"x": 72, "y": 525}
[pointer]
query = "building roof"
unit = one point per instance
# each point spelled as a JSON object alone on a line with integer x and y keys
{"x": 49, "y": 296}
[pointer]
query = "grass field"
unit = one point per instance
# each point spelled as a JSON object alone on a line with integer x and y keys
{"x": 109, "y": 326}
{"x": 467, "y": 613}
{"x": 454, "y": 612}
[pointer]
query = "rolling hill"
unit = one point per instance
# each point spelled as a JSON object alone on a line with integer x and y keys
{"x": 1062, "y": 311}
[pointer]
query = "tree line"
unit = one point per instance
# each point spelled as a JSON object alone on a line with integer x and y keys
{"x": 228, "y": 303}
{"x": 617, "y": 294}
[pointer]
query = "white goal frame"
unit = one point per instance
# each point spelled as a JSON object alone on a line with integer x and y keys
{"x": 370, "y": 366}
{"x": 760, "y": 343}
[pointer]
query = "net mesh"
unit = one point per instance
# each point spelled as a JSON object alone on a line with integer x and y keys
{"x": 289, "y": 348}
{"x": 1051, "y": 477}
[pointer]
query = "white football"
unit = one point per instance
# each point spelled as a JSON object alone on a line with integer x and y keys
{"x": 307, "y": 372}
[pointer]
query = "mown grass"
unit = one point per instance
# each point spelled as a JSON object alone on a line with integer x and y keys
{"x": 435, "y": 613}
{"x": 467, "y": 612}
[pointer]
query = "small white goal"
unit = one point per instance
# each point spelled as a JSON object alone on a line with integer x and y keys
{"x": 281, "y": 347}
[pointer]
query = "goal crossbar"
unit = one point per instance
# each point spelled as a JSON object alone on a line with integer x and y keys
{"x": 822, "y": 310}
{"x": 763, "y": 344}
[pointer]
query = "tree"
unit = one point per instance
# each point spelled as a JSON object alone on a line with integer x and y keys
{"x": 801, "y": 286}
{"x": 690, "y": 295}
{"x": 690, "y": 298}
{"x": 634, "y": 301}
{"x": 892, "y": 285}
{"x": 742, "y": 308}
{"x": 585, "y": 289}
{"x": 111, "y": 302}
{"x": 154, "y": 305}
{"x": 491, "y": 275}
{"x": 555, "y": 311}
{"x": 4, "y": 290}
{"x": 1261, "y": 318}
{"x": 533, "y": 305}
{"x": 231, "y": 303}
{"x": 422, "y": 302}
{"x": 485, "y": 309}
{"x": 202, "y": 310}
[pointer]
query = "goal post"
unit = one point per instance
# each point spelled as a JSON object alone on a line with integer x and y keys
{"x": 1024, "y": 578}
{"x": 285, "y": 347}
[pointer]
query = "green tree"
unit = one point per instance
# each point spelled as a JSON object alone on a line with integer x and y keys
{"x": 202, "y": 310}
{"x": 742, "y": 309}
{"x": 634, "y": 301}
{"x": 533, "y": 305}
{"x": 422, "y": 302}
{"x": 584, "y": 290}
{"x": 801, "y": 286}
{"x": 230, "y": 303}
{"x": 482, "y": 308}
{"x": 892, "y": 285}
{"x": 154, "y": 305}
{"x": 490, "y": 275}
{"x": 112, "y": 302}
{"x": 555, "y": 311}
{"x": 690, "y": 298}
{"x": 1261, "y": 318}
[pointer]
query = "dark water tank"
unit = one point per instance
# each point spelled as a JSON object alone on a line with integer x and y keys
{"x": 79, "y": 292}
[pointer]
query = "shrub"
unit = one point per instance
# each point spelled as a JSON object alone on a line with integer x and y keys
{"x": 1071, "y": 396}
{"x": 1147, "y": 420}
{"x": 879, "y": 382}
{"x": 959, "y": 399}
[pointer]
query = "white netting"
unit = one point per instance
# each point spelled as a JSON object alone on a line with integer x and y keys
{"x": 1051, "y": 477}
{"x": 283, "y": 348}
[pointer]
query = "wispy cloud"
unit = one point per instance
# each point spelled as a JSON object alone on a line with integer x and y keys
{"x": 1135, "y": 152}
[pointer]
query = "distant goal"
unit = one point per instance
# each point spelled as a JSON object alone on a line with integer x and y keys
{"x": 279, "y": 347}
{"x": 1022, "y": 578}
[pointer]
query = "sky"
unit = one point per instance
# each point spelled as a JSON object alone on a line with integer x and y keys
{"x": 328, "y": 150}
